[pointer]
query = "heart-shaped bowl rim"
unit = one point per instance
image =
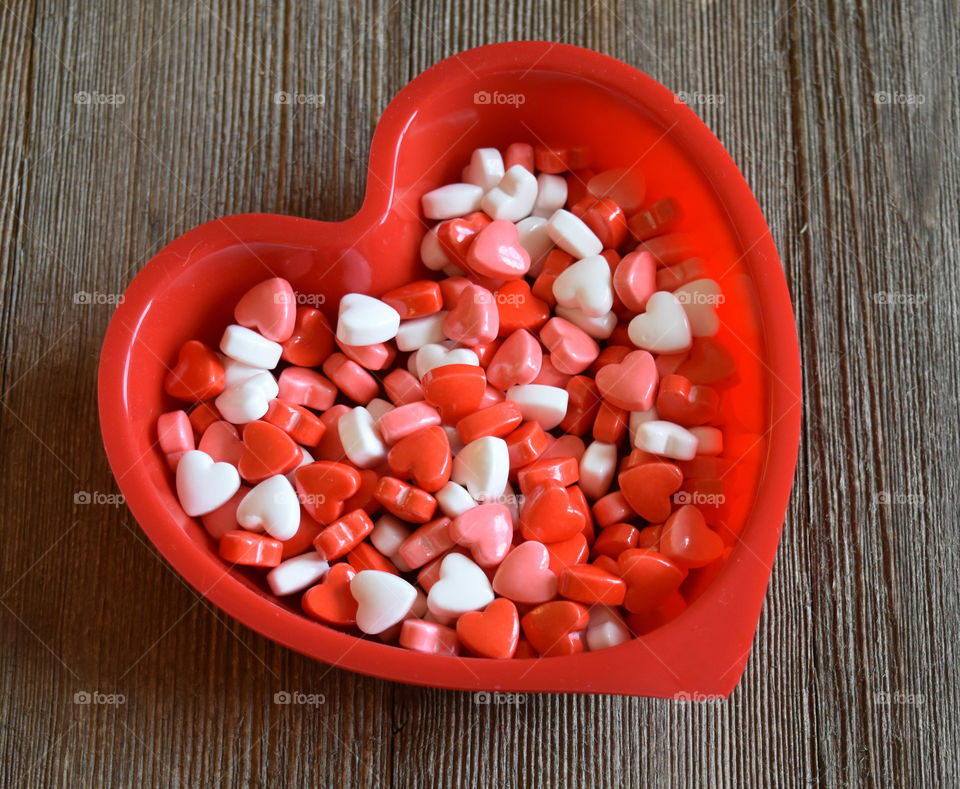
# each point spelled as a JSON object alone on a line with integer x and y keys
{"x": 700, "y": 653}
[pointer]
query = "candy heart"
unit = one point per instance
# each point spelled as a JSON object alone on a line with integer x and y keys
{"x": 324, "y": 486}
{"x": 598, "y": 328}
{"x": 202, "y": 485}
{"x": 700, "y": 299}
{"x": 664, "y": 327}
{"x": 415, "y": 299}
{"x": 424, "y": 457}
{"x": 376, "y": 356}
{"x": 197, "y": 375}
{"x": 311, "y": 341}
{"x": 496, "y": 252}
{"x": 405, "y": 420}
{"x": 549, "y": 515}
{"x": 475, "y": 319}
{"x": 709, "y": 362}
{"x": 364, "y": 320}
{"x": 222, "y": 443}
{"x": 517, "y": 361}
{"x": 518, "y": 308}
{"x": 405, "y": 501}
{"x": 635, "y": 280}
{"x": 534, "y": 237}
{"x": 462, "y": 587}
{"x": 249, "y": 400}
{"x": 631, "y": 384}
{"x": 660, "y": 437}
{"x": 247, "y": 346}
{"x": 487, "y": 530}
{"x": 499, "y": 420}
{"x": 604, "y": 217}
{"x": 485, "y": 168}
{"x": 270, "y": 308}
{"x": 524, "y": 576}
{"x": 587, "y": 583}
{"x": 493, "y": 632}
{"x": 455, "y": 389}
{"x": 343, "y": 535}
{"x": 554, "y": 629}
{"x": 687, "y": 540}
{"x": 685, "y": 404}
{"x": 250, "y": 550}
{"x": 451, "y": 200}
{"x": 433, "y": 355}
{"x": 301, "y": 425}
{"x": 331, "y": 602}
{"x": 624, "y": 185}
{"x": 606, "y": 629}
{"x": 513, "y": 196}
{"x": 551, "y": 194}
{"x": 572, "y": 350}
{"x": 651, "y": 579}
{"x": 647, "y": 487}
{"x": 583, "y": 405}
{"x": 573, "y": 236}
{"x": 586, "y": 285}
{"x": 453, "y": 500}
{"x": 297, "y": 573}
{"x": 268, "y": 451}
{"x": 456, "y": 235}
{"x": 431, "y": 252}
{"x": 546, "y": 405}
{"x": 273, "y": 507}
{"x": 300, "y": 386}
{"x": 361, "y": 441}
{"x": 598, "y": 465}
{"x": 482, "y": 467}
{"x": 383, "y": 599}
{"x": 429, "y": 638}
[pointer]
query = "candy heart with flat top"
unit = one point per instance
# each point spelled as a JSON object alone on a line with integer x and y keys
{"x": 202, "y": 485}
{"x": 663, "y": 328}
{"x": 463, "y": 587}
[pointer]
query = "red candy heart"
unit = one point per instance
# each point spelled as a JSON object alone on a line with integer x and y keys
{"x": 647, "y": 487}
{"x": 197, "y": 375}
{"x": 415, "y": 299}
{"x": 651, "y": 579}
{"x": 268, "y": 451}
{"x": 493, "y": 632}
{"x": 604, "y": 217}
{"x": 519, "y": 308}
{"x": 592, "y": 585}
{"x": 632, "y": 384}
{"x": 709, "y": 362}
{"x": 684, "y": 403}
{"x": 455, "y": 389}
{"x": 456, "y": 235}
{"x": 324, "y": 486}
{"x": 549, "y": 514}
{"x": 331, "y": 601}
{"x": 424, "y": 457}
{"x": 554, "y": 629}
{"x": 687, "y": 540}
{"x": 312, "y": 339}
{"x": 567, "y": 553}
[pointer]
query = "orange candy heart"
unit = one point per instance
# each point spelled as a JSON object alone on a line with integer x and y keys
{"x": 455, "y": 389}
{"x": 549, "y": 515}
{"x": 519, "y": 308}
{"x": 331, "y": 602}
{"x": 312, "y": 339}
{"x": 554, "y": 629}
{"x": 684, "y": 403}
{"x": 407, "y": 502}
{"x": 197, "y": 375}
{"x": 585, "y": 583}
{"x": 415, "y": 299}
{"x": 343, "y": 535}
{"x": 687, "y": 540}
{"x": 651, "y": 579}
{"x": 424, "y": 457}
{"x": 324, "y": 486}
{"x": 493, "y": 632}
{"x": 267, "y": 451}
{"x": 647, "y": 487}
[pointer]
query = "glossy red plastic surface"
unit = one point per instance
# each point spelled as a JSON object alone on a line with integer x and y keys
{"x": 571, "y": 96}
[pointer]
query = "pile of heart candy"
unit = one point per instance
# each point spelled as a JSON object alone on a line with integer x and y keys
{"x": 377, "y": 473}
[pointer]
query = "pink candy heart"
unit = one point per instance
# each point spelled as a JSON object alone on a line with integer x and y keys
{"x": 632, "y": 384}
{"x": 517, "y": 361}
{"x": 496, "y": 252}
{"x": 270, "y": 308}
{"x": 635, "y": 280}
{"x": 572, "y": 350}
{"x": 525, "y": 575}
{"x": 475, "y": 319}
{"x": 487, "y": 530}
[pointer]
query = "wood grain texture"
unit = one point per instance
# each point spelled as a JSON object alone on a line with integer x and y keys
{"x": 852, "y": 677}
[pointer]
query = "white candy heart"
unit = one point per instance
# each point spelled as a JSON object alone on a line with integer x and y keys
{"x": 638, "y": 418}
{"x": 361, "y": 440}
{"x": 249, "y": 347}
{"x": 533, "y": 236}
{"x": 297, "y": 573}
{"x": 709, "y": 440}
{"x": 383, "y": 599}
{"x": 665, "y": 438}
{"x": 235, "y": 372}
{"x": 452, "y": 200}
{"x": 482, "y": 467}
{"x": 462, "y": 587}
{"x": 202, "y": 485}
{"x": 273, "y": 507}
{"x": 598, "y": 328}
{"x": 388, "y": 535}
{"x": 606, "y": 628}
{"x": 431, "y": 253}
{"x": 587, "y": 286}
{"x": 663, "y": 328}
{"x": 551, "y": 194}
{"x": 598, "y": 465}
{"x": 700, "y": 299}
{"x": 433, "y": 355}
{"x": 413, "y": 334}
{"x": 364, "y": 320}
{"x": 485, "y": 168}
{"x": 513, "y": 197}
{"x": 454, "y": 500}
{"x": 248, "y": 400}
{"x": 572, "y": 235}
{"x": 544, "y": 404}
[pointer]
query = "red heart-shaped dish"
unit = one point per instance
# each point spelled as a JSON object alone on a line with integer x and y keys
{"x": 534, "y": 92}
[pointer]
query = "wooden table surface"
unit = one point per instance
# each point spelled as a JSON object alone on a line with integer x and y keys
{"x": 125, "y": 124}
